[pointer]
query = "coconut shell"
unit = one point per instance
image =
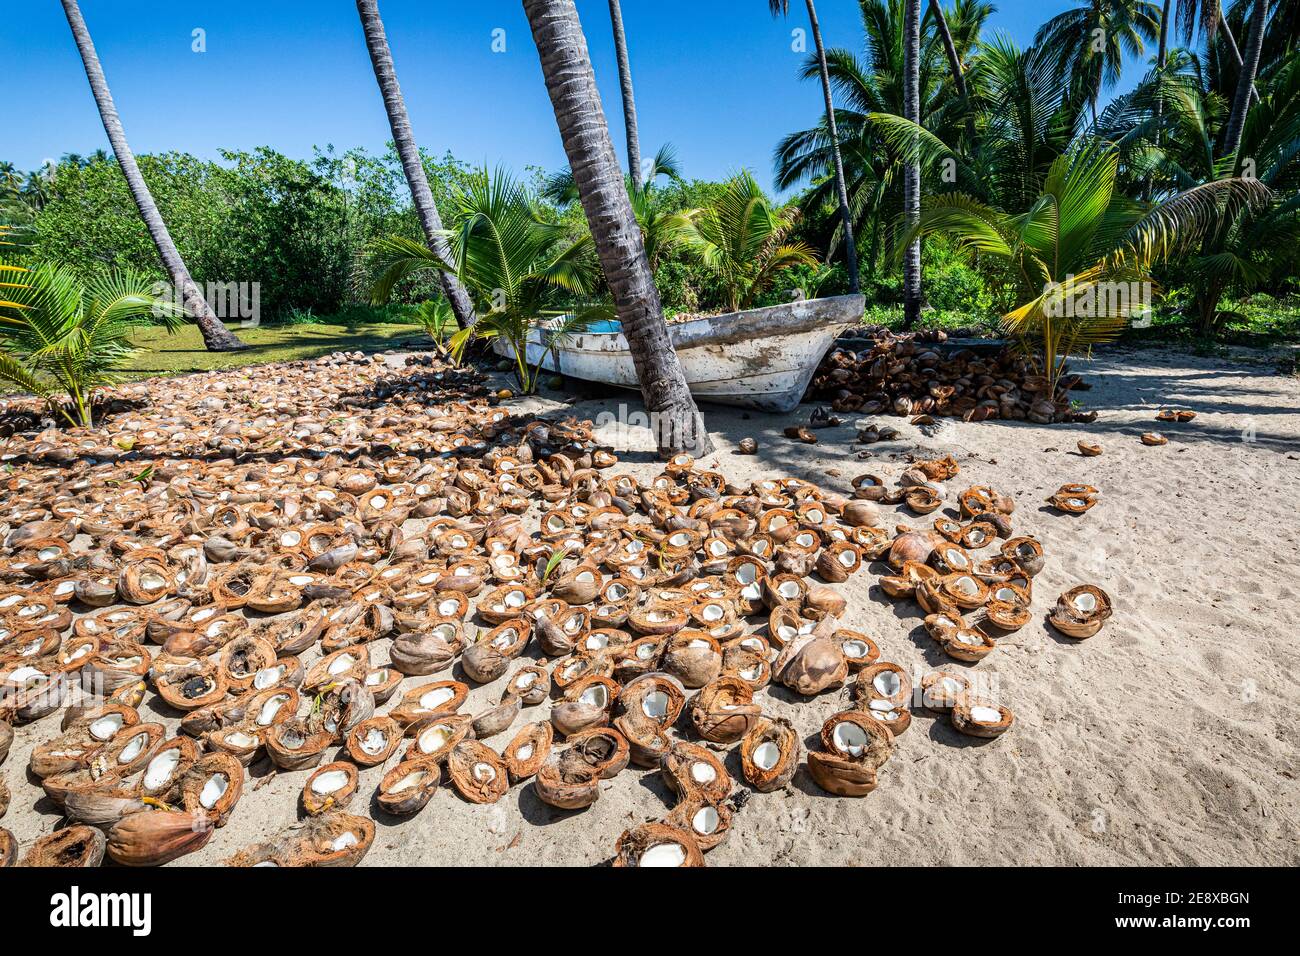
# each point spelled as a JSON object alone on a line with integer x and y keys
{"x": 769, "y": 754}
{"x": 373, "y": 741}
{"x": 408, "y": 786}
{"x": 330, "y": 787}
{"x": 657, "y": 844}
{"x": 689, "y": 770}
{"x": 969, "y": 717}
{"x": 526, "y": 753}
{"x": 477, "y": 773}
{"x": 158, "y": 837}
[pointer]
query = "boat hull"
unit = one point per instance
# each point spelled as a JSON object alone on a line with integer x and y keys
{"x": 762, "y": 358}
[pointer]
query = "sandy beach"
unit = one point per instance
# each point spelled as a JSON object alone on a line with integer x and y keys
{"x": 1170, "y": 738}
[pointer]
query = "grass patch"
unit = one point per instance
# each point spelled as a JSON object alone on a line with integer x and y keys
{"x": 164, "y": 354}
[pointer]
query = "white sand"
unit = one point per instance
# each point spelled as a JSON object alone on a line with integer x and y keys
{"x": 1170, "y": 738}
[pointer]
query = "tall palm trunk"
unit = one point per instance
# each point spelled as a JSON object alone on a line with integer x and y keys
{"x": 1234, "y": 49}
{"x": 954, "y": 66}
{"x": 912, "y": 168}
{"x": 950, "y": 48}
{"x": 629, "y": 101}
{"x": 571, "y": 83}
{"x": 216, "y": 337}
{"x": 841, "y": 187}
{"x": 1163, "y": 51}
{"x": 1246, "y": 79}
{"x": 421, "y": 195}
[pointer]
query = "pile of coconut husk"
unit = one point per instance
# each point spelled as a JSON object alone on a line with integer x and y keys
{"x": 903, "y": 375}
{"x": 292, "y": 559}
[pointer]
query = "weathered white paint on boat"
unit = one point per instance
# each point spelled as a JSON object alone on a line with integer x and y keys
{"x": 762, "y": 358}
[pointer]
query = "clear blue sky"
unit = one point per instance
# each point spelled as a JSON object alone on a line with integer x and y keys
{"x": 717, "y": 78}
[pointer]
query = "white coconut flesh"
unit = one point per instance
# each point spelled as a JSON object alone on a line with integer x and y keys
{"x": 201, "y": 616}
{"x": 525, "y": 680}
{"x": 271, "y": 708}
{"x": 431, "y": 700}
{"x": 887, "y": 683}
{"x": 968, "y": 586}
{"x": 663, "y": 854}
{"x": 214, "y": 790}
{"x": 133, "y": 749}
{"x": 161, "y": 768}
{"x": 484, "y": 772}
{"x": 847, "y": 558}
{"x": 506, "y": 638}
{"x": 340, "y": 664}
{"x": 985, "y": 715}
{"x": 956, "y": 559}
{"x": 240, "y": 739}
{"x": 106, "y": 727}
{"x": 789, "y": 590}
{"x": 1085, "y": 602}
{"x": 702, "y": 772}
{"x": 448, "y": 607}
{"x": 597, "y": 695}
{"x": 658, "y": 616}
{"x": 515, "y": 599}
{"x": 525, "y": 752}
{"x": 291, "y": 538}
{"x": 64, "y": 587}
{"x": 412, "y": 779}
{"x": 435, "y": 738}
{"x": 152, "y": 582}
{"x": 373, "y": 742}
{"x": 344, "y": 840}
{"x": 970, "y": 638}
{"x": 698, "y": 643}
{"x": 951, "y": 686}
{"x": 705, "y": 821}
{"x": 804, "y": 540}
{"x": 1006, "y": 595}
{"x": 854, "y": 649}
{"x": 849, "y": 738}
{"x": 331, "y": 781}
{"x": 268, "y": 676}
{"x": 787, "y": 633}
{"x": 766, "y": 755}
{"x": 574, "y": 623}
{"x": 596, "y": 642}
{"x": 616, "y": 592}
{"x": 752, "y": 673}
{"x": 655, "y": 704}
{"x": 713, "y": 612}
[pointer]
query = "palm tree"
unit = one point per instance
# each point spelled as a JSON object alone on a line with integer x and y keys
{"x": 782, "y": 8}
{"x": 519, "y": 269}
{"x": 571, "y": 83}
{"x": 629, "y": 101}
{"x": 62, "y": 338}
{"x": 912, "y": 168}
{"x": 216, "y": 337}
{"x": 1082, "y": 251}
{"x": 1251, "y": 245}
{"x": 1089, "y": 42}
{"x": 742, "y": 238}
{"x": 421, "y": 195}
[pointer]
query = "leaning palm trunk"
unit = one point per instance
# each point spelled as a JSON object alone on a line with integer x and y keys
{"x": 421, "y": 195}
{"x": 677, "y": 422}
{"x": 216, "y": 337}
{"x": 912, "y": 168}
{"x": 954, "y": 66}
{"x": 629, "y": 101}
{"x": 846, "y": 217}
{"x": 1246, "y": 79}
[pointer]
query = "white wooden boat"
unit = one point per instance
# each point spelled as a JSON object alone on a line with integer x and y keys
{"x": 762, "y": 358}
